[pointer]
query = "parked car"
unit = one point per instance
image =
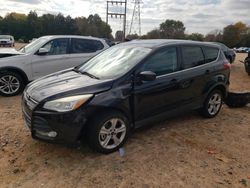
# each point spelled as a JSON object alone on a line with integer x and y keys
{"x": 243, "y": 50}
{"x": 247, "y": 63}
{"x": 125, "y": 87}
{"x": 7, "y": 41}
{"x": 44, "y": 56}
{"x": 229, "y": 53}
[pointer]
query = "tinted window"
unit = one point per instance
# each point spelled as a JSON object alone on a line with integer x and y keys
{"x": 86, "y": 46}
{"x": 192, "y": 56}
{"x": 57, "y": 47}
{"x": 211, "y": 54}
{"x": 162, "y": 62}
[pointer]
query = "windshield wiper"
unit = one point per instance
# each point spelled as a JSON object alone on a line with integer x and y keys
{"x": 86, "y": 73}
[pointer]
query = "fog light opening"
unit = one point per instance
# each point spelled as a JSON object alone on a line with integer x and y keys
{"x": 52, "y": 134}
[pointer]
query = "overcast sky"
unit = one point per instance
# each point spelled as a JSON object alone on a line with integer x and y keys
{"x": 198, "y": 15}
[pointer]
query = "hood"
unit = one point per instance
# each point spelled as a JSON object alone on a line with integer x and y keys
{"x": 7, "y": 52}
{"x": 66, "y": 83}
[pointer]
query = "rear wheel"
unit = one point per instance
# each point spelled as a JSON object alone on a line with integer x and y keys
{"x": 212, "y": 104}
{"x": 108, "y": 132}
{"x": 11, "y": 83}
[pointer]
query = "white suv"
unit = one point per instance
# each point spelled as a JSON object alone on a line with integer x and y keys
{"x": 44, "y": 56}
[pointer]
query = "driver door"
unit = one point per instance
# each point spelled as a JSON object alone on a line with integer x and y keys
{"x": 55, "y": 60}
{"x": 152, "y": 98}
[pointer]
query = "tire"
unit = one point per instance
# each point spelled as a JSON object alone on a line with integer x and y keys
{"x": 11, "y": 88}
{"x": 109, "y": 122}
{"x": 212, "y": 104}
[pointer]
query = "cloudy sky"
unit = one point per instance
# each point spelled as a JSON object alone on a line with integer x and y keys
{"x": 198, "y": 15}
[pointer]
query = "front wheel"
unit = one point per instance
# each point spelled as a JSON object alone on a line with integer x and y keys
{"x": 212, "y": 104}
{"x": 11, "y": 84}
{"x": 108, "y": 132}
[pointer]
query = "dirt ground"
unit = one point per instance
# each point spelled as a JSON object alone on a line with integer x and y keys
{"x": 188, "y": 151}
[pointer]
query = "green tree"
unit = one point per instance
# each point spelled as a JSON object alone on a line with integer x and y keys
{"x": 230, "y": 36}
{"x": 234, "y": 35}
{"x": 195, "y": 37}
{"x": 172, "y": 29}
{"x": 154, "y": 34}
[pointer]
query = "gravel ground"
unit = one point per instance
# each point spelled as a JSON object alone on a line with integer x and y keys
{"x": 188, "y": 151}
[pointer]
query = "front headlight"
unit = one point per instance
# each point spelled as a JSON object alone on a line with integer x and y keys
{"x": 67, "y": 104}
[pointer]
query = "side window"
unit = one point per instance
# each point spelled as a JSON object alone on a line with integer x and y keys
{"x": 211, "y": 54}
{"x": 162, "y": 62}
{"x": 192, "y": 56}
{"x": 57, "y": 47}
{"x": 85, "y": 46}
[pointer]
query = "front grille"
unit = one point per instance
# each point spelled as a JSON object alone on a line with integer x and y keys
{"x": 3, "y": 42}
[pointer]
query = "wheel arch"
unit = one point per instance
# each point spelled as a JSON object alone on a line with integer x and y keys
{"x": 17, "y": 71}
{"x": 103, "y": 109}
{"x": 219, "y": 86}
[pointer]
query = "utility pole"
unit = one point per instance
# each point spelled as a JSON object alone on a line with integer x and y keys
{"x": 136, "y": 17}
{"x": 118, "y": 14}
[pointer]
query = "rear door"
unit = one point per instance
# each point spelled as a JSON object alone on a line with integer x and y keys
{"x": 55, "y": 60}
{"x": 83, "y": 49}
{"x": 194, "y": 71}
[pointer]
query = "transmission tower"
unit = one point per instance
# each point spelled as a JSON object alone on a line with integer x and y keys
{"x": 136, "y": 18}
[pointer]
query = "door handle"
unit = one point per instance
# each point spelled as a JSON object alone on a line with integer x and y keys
{"x": 207, "y": 72}
{"x": 186, "y": 83}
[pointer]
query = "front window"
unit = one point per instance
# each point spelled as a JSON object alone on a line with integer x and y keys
{"x": 162, "y": 62}
{"x": 114, "y": 62}
{"x": 57, "y": 47}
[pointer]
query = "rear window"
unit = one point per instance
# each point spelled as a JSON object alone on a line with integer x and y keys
{"x": 211, "y": 54}
{"x": 85, "y": 46}
{"x": 192, "y": 56}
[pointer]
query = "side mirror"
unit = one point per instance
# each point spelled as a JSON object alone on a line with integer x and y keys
{"x": 42, "y": 51}
{"x": 147, "y": 76}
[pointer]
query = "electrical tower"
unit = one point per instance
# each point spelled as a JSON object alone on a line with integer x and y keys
{"x": 136, "y": 18}
{"x": 119, "y": 11}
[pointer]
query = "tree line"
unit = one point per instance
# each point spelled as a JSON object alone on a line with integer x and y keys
{"x": 234, "y": 35}
{"x": 26, "y": 27}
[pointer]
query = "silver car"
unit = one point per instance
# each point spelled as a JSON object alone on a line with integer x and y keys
{"x": 7, "y": 41}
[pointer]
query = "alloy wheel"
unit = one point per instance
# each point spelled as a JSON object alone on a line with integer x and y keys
{"x": 214, "y": 104}
{"x": 112, "y": 133}
{"x": 9, "y": 84}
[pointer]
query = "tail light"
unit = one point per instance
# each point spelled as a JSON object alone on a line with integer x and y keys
{"x": 227, "y": 65}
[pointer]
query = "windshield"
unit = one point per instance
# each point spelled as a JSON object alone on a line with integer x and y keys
{"x": 33, "y": 45}
{"x": 5, "y": 37}
{"x": 114, "y": 62}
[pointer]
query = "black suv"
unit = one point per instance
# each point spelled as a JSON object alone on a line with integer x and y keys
{"x": 247, "y": 63}
{"x": 125, "y": 87}
{"x": 229, "y": 53}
